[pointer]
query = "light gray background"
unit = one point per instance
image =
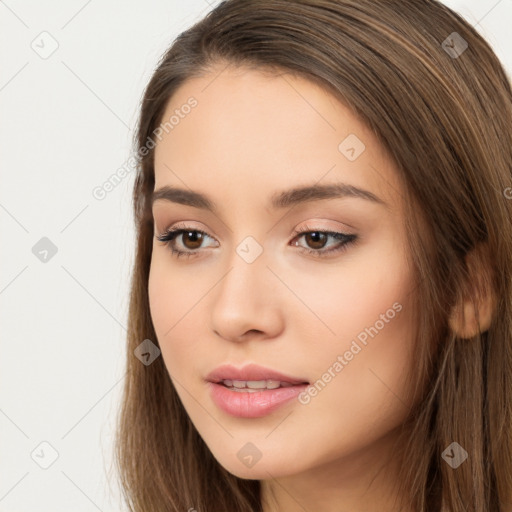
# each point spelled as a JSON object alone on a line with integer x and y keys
{"x": 66, "y": 126}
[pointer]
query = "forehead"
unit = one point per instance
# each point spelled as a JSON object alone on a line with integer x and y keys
{"x": 252, "y": 131}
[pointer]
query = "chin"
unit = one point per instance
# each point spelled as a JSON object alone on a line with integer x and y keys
{"x": 264, "y": 469}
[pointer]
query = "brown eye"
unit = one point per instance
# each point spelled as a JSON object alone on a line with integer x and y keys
{"x": 188, "y": 239}
{"x": 195, "y": 238}
{"x": 315, "y": 239}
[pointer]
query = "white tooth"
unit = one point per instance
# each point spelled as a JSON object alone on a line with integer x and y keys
{"x": 254, "y": 385}
{"x": 244, "y": 390}
{"x": 257, "y": 384}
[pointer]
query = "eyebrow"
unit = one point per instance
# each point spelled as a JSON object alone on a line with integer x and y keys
{"x": 278, "y": 200}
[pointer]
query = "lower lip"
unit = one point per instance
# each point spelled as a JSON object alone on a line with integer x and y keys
{"x": 244, "y": 404}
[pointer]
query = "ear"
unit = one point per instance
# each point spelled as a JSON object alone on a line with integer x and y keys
{"x": 474, "y": 313}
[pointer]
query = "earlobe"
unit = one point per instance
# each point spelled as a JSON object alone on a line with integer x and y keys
{"x": 475, "y": 312}
{"x": 470, "y": 319}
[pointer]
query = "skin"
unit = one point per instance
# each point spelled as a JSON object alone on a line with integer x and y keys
{"x": 251, "y": 135}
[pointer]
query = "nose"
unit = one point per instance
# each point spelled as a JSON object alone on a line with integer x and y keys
{"x": 246, "y": 304}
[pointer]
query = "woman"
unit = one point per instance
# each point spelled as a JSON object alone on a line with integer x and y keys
{"x": 323, "y": 277}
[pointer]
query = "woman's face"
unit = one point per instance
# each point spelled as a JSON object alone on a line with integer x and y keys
{"x": 328, "y": 310}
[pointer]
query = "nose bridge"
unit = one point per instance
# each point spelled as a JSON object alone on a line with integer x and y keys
{"x": 244, "y": 300}
{"x": 247, "y": 265}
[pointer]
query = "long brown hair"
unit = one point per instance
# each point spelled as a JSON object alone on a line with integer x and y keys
{"x": 443, "y": 112}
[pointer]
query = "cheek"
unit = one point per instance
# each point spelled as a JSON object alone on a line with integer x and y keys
{"x": 350, "y": 297}
{"x": 163, "y": 293}
{"x": 169, "y": 291}
{"x": 160, "y": 296}
{"x": 367, "y": 307}
{"x": 174, "y": 302}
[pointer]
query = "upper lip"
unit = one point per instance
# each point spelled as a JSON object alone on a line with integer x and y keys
{"x": 250, "y": 372}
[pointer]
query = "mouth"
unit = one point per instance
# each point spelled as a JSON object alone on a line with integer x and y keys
{"x": 252, "y": 391}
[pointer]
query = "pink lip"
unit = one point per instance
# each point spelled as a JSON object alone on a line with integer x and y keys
{"x": 250, "y": 372}
{"x": 251, "y": 405}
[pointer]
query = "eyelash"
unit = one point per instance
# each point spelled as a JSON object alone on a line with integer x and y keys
{"x": 347, "y": 239}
